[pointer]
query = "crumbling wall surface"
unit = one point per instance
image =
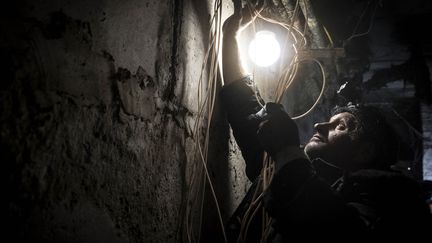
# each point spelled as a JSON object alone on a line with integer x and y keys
{"x": 95, "y": 128}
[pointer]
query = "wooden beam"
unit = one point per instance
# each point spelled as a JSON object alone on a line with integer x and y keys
{"x": 321, "y": 53}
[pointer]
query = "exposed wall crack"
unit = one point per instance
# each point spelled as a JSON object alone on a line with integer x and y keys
{"x": 177, "y": 13}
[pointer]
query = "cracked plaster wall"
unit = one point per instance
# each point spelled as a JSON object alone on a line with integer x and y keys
{"x": 98, "y": 102}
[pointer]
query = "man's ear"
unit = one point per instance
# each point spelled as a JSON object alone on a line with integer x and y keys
{"x": 365, "y": 154}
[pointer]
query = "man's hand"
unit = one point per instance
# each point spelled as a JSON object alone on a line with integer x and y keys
{"x": 242, "y": 17}
{"x": 277, "y": 130}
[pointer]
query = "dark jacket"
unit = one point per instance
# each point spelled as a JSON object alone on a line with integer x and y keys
{"x": 310, "y": 201}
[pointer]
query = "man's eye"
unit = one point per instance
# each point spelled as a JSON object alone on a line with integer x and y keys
{"x": 341, "y": 126}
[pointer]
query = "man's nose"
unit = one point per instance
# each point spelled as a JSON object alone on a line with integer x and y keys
{"x": 321, "y": 127}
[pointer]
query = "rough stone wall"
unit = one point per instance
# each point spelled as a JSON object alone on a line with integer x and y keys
{"x": 98, "y": 102}
{"x": 426, "y": 116}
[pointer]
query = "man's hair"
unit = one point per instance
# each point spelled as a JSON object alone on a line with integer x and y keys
{"x": 373, "y": 127}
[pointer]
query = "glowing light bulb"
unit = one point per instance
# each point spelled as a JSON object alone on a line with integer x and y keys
{"x": 264, "y": 49}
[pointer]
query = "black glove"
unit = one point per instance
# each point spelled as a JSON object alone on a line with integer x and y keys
{"x": 277, "y": 130}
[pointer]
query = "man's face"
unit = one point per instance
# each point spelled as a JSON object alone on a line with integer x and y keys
{"x": 333, "y": 140}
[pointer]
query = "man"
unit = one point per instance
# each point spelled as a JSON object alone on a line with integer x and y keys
{"x": 341, "y": 187}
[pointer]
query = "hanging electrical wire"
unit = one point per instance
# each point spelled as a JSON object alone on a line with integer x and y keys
{"x": 199, "y": 172}
{"x": 287, "y": 75}
{"x": 206, "y": 94}
{"x": 371, "y": 21}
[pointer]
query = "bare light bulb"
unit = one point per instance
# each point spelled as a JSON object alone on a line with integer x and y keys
{"x": 264, "y": 49}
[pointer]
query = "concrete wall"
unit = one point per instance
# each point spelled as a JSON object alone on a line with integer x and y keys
{"x": 98, "y": 101}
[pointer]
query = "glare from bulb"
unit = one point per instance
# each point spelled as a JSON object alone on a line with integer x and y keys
{"x": 264, "y": 49}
